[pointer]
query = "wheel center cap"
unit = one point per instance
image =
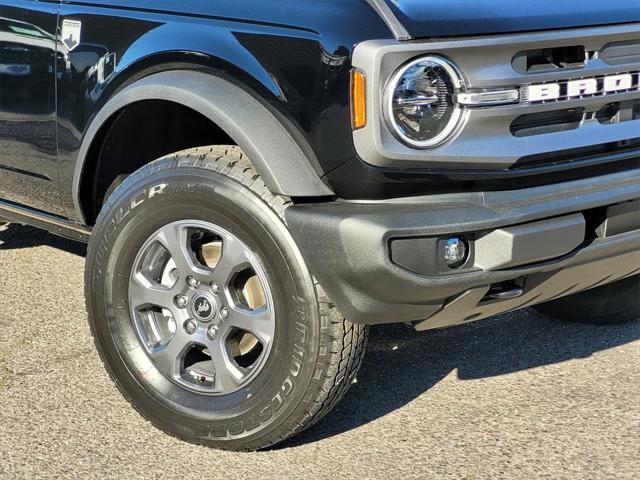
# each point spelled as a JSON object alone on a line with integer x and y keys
{"x": 203, "y": 307}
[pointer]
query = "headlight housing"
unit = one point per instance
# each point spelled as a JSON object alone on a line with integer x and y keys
{"x": 419, "y": 102}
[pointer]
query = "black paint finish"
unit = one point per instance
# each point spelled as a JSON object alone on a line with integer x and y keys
{"x": 438, "y": 18}
{"x": 28, "y": 168}
{"x": 293, "y": 55}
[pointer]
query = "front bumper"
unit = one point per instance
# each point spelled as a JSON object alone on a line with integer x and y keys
{"x": 348, "y": 246}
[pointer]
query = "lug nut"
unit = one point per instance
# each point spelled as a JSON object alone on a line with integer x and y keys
{"x": 224, "y": 313}
{"x": 212, "y": 331}
{"x": 181, "y": 301}
{"x": 214, "y": 287}
{"x": 190, "y": 326}
{"x": 193, "y": 282}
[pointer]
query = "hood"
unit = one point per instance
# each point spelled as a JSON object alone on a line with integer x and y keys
{"x": 436, "y": 18}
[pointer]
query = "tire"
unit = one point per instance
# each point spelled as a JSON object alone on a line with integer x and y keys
{"x": 309, "y": 361}
{"x": 611, "y": 304}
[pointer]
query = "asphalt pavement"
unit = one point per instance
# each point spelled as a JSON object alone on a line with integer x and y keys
{"x": 518, "y": 396}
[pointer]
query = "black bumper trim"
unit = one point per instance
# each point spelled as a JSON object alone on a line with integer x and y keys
{"x": 346, "y": 244}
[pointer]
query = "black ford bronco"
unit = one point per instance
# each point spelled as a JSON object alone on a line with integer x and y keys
{"x": 259, "y": 181}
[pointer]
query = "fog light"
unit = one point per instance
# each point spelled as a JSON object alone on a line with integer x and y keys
{"x": 455, "y": 252}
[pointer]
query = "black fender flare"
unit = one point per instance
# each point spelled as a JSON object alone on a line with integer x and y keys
{"x": 282, "y": 157}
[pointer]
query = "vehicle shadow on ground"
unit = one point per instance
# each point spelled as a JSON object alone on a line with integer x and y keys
{"x": 17, "y": 237}
{"x": 402, "y": 364}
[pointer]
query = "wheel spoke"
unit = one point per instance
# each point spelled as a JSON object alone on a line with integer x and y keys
{"x": 233, "y": 258}
{"x": 174, "y": 238}
{"x": 228, "y": 375}
{"x": 257, "y": 322}
{"x": 144, "y": 292}
{"x": 168, "y": 360}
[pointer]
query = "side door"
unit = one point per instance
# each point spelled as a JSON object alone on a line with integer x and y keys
{"x": 29, "y": 59}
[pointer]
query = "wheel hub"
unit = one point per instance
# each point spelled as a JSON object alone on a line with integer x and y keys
{"x": 203, "y": 307}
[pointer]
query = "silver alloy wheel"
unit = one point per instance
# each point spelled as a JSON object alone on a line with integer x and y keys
{"x": 202, "y": 307}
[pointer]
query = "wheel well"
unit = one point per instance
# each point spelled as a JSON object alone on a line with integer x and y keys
{"x": 135, "y": 136}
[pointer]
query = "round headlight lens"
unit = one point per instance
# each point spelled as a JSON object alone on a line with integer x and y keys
{"x": 420, "y": 107}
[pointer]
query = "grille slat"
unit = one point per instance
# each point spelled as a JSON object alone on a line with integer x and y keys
{"x": 547, "y": 122}
{"x": 627, "y": 150}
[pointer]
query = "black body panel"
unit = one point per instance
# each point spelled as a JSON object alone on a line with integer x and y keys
{"x": 28, "y": 57}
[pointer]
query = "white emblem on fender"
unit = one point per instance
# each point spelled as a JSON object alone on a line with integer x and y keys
{"x": 71, "y": 33}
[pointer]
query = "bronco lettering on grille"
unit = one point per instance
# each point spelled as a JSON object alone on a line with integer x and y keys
{"x": 583, "y": 87}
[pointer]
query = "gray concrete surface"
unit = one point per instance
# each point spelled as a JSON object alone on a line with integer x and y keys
{"x": 515, "y": 397}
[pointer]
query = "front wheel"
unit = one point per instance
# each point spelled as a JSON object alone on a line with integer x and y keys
{"x": 612, "y": 304}
{"x": 203, "y": 310}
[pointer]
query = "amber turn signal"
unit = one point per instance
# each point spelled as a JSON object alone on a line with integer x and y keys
{"x": 358, "y": 99}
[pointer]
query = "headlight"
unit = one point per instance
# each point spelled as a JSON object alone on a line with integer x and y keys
{"x": 419, "y": 102}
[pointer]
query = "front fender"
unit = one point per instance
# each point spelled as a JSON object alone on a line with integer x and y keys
{"x": 293, "y": 58}
{"x": 261, "y": 133}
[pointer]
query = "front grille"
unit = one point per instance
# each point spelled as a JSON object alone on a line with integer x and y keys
{"x": 560, "y": 132}
{"x": 549, "y": 135}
